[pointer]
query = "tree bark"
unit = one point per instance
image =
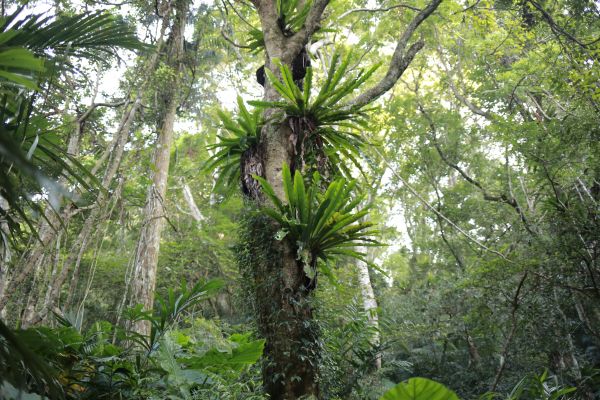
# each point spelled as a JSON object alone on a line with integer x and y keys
{"x": 369, "y": 302}
{"x": 146, "y": 262}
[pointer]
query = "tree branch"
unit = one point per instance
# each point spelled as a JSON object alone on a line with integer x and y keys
{"x": 459, "y": 96}
{"x": 438, "y": 213}
{"x": 91, "y": 109}
{"x": 401, "y": 58}
{"x": 311, "y": 25}
{"x": 557, "y": 29}
{"x": 511, "y": 334}
{"x": 501, "y": 198}
{"x": 383, "y": 9}
{"x": 230, "y": 41}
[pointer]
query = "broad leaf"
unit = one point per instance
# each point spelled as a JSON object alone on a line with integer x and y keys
{"x": 419, "y": 389}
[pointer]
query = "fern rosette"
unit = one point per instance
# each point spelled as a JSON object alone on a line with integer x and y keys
{"x": 322, "y": 225}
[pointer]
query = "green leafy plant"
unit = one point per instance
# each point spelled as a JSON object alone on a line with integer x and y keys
{"x": 87, "y": 35}
{"x": 292, "y": 14}
{"x": 170, "y": 308}
{"x": 533, "y": 386}
{"x": 323, "y": 226}
{"x": 327, "y": 123}
{"x": 33, "y": 373}
{"x": 419, "y": 389}
{"x": 30, "y": 157}
{"x": 243, "y": 134}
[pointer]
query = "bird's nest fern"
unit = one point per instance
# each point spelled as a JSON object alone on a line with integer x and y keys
{"x": 326, "y": 127}
{"x": 242, "y": 134}
{"x": 322, "y": 225}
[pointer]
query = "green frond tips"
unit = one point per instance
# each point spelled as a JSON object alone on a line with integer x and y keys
{"x": 324, "y": 225}
{"x": 242, "y": 134}
{"x": 90, "y": 35}
{"x": 328, "y": 125}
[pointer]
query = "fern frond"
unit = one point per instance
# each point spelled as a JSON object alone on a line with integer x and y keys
{"x": 325, "y": 225}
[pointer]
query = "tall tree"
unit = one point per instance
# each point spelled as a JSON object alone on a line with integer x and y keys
{"x": 169, "y": 94}
{"x": 285, "y": 314}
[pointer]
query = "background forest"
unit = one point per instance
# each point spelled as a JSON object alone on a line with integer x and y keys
{"x": 439, "y": 201}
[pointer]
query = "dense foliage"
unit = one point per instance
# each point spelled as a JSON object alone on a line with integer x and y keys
{"x": 456, "y": 214}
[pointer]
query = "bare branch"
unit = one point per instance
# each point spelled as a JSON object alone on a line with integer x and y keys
{"x": 230, "y": 41}
{"x": 401, "y": 58}
{"x": 311, "y": 25}
{"x": 91, "y": 109}
{"x": 383, "y": 9}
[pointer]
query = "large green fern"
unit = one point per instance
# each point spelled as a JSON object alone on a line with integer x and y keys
{"x": 326, "y": 122}
{"x": 323, "y": 225}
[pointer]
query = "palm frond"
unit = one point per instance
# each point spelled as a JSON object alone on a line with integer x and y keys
{"x": 90, "y": 35}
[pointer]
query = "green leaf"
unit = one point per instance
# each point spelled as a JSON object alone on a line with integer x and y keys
{"x": 419, "y": 389}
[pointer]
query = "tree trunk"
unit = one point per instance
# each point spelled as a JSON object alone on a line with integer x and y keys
{"x": 369, "y": 302}
{"x": 284, "y": 313}
{"x": 144, "y": 277}
{"x": 113, "y": 157}
{"x": 189, "y": 199}
{"x": 285, "y": 316}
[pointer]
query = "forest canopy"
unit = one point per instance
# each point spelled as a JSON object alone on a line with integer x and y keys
{"x": 300, "y": 199}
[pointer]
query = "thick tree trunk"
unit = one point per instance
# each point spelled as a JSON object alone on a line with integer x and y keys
{"x": 144, "y": 276}
{"x": 284, "y": 313}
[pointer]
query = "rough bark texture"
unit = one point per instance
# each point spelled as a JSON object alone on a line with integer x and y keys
{"x": 285, "y": 316}
{"x": 144, "y": 276}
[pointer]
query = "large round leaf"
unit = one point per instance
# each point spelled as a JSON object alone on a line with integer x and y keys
{"x": 419, "y": 389}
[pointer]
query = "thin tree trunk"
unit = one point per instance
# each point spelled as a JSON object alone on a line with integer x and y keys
{"x": 189, "y": 199}
{"x": 5, "y": 253}
{"x": 573, "y": 363}
{"x": 51, "y": 224}
{"x": 114, "y": 154}
{"x": 369, "y": 302}
{"x": 35, "y": 291}
{"x": 144, "y": 278}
